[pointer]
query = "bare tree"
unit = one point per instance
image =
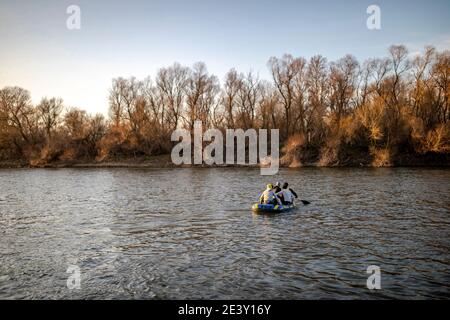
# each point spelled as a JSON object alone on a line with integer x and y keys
{"x": 399, "y": 65}
{"x": 15, "y": 104}
{"x": 201, "y": 91}
{"x": 420, "y": 70}
{"x": 318, "y": 90}
{"x": 343, "y": 77}
{"x": 75, "y": 123}
{"x": 171, "y": 82}
{"x": 232, "y": 84}
{"x": 285, "y": 73}
{"x": 248, "y": 96}
{"x": 116, "y": 100}
{"x": 268, "y": 106}
{"x": 441, "y": 79}
{"x": 49, "y": 112}
{"x": 363, "y": 84}
{"x": 379, "y": 68}
{"x": 381, "y": 107}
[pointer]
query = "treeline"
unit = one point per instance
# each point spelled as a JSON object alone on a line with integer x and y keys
{"x": 329, "y": 113}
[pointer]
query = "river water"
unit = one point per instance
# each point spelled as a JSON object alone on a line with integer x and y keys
{"x": 189, "y": 233}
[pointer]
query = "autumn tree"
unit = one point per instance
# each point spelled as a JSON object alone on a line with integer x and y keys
{"x": 343, "y": 81}
{"x": 230, "y": 90}
{"x": 19, "y": 121}
{"x": 247, "y": 100}
{"x": 287, "y": 74}
{"x": 318, "y": 91}
{"x": 171, "y": 84}
{"x": 201, "y": 90}
{"x": 49, "y": 113}
{"x": 328, "y": 113}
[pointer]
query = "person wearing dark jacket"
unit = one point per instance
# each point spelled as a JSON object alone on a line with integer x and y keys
{"x": 277, "y": 187}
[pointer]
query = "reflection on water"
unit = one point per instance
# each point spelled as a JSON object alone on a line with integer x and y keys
{"x": 189, "y": 233}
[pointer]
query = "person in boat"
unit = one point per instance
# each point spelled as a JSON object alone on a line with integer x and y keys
{"x": 269, "y": 196}
{"x": 277, "y": 187}
{"x": 287, "y": 195}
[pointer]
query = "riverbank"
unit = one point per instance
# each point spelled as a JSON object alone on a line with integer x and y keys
{"x": 164, "y": 161}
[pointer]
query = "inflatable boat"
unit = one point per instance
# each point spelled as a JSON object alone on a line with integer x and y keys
{"x": 271, "y": 208}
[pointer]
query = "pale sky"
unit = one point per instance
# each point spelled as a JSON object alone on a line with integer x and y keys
{"x": 136, "y": 38}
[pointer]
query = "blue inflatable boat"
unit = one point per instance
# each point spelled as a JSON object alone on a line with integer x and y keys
{"x": 271, "y": 208}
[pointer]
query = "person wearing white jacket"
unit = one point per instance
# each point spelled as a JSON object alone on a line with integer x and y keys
{"x": 286, "y": 194}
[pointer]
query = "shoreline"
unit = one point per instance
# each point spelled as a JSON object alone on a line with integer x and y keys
{"x": 164, "y": 161}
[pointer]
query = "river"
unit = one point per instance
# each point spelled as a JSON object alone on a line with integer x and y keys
{"x": 189, "y": 233}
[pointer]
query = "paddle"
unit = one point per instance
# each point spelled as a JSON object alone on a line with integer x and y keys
{"x": 305, "y": 202}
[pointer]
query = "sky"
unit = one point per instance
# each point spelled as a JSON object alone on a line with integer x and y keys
{"x": 136, "y": 38}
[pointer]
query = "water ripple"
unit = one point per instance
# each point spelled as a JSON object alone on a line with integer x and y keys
{"x": 188, "y": 233}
